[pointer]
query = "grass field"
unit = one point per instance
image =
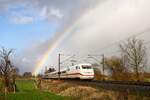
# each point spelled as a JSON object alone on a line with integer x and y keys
{"x": 27, "y": 91}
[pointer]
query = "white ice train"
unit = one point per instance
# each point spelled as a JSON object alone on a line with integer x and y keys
{"x": 80, "y": 71}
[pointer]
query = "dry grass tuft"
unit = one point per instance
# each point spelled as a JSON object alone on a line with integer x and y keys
{"x": 78, "y": 92}
{"x": 86, "y": 92}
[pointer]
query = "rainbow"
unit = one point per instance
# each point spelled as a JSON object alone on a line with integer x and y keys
{"x": 51, "y": 48}
{"x": 44, "y": 59}
{"x": 58, "y": 40}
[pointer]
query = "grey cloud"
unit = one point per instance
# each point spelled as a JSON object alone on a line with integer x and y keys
{"x": 109, "y": 22}
{"x": 99, "y": 25}
{"x": 71, "y": 10}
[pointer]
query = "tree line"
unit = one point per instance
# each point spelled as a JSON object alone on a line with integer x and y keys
{"x": 131, "y": 62}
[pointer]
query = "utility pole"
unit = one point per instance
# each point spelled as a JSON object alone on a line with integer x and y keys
{"x": 45, "y": 70}
{"x": 103, "y": 62}
{"x": 59, "y": 66}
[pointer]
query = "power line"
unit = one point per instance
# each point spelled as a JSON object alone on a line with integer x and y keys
{"x": 67, "y": 59}
{"x": 141, "y": 33}
{"x": 147, "y": 42}
{"x": 110, "y": 45}
{"x": 117, "y": 51}
{"x": 134, "y": 35}
{"x": 148, "y": 47}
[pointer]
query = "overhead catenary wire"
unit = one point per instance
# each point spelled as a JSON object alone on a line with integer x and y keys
{"x": 118, "y": 51}
{"x": 67, "y": 59}
{"x": 115, "y": 43}
{"x": 119, "y": 41}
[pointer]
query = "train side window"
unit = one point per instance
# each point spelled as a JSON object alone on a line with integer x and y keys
{"x": 63, "y": 72}
{"x": 76, "y": 67}
{"x": 68, "y": 69}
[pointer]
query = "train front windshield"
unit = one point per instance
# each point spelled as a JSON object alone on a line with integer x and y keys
{"x": 86, "y": 67}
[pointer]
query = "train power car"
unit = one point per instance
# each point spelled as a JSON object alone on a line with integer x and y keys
{"x": 80, "y": 71}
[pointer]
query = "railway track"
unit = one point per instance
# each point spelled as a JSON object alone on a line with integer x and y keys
{"x": 140, "y": 83}
{"x": 121, "y": 86}
{"x": 124, "y": 83}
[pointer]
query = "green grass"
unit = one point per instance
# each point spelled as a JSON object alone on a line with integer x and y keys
{"x": 25, "y": 85}
{"x": 27, "y": 91}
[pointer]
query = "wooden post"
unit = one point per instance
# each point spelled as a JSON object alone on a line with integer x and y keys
{"x": 103, "y": 62}
{"x": 59, "y": 66}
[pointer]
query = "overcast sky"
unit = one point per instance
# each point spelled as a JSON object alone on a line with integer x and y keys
{"x": 84, "y": 26}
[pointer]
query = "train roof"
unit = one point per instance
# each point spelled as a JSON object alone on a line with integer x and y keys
{"x": 84, "y": 64}
{"x": 81, "y": 64}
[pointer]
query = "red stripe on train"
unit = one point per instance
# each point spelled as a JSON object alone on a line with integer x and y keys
{"x": 79, "y": 74}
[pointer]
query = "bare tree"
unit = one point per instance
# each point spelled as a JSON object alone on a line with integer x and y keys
{"x": 14, "y": 74}
{"x": 135, "y": 53}
{"x": 27, "y": 75}
{"x": 97, "y": 74}
{"x": 6, "y": 67}
{"x": 116, "y": 67}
